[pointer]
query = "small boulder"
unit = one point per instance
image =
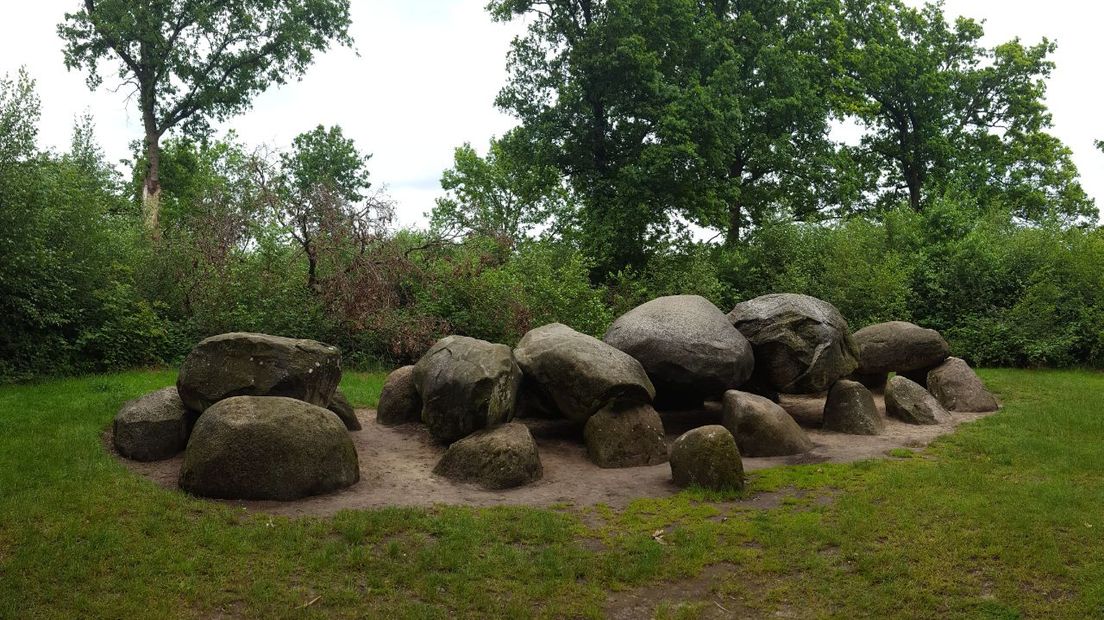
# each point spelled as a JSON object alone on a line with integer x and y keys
{"x": 898, "y": 346}
{"x": 689, "y": 349}
{"x": 244, "y": 364}
{"x": 579, "y": 374}
{"x": 268, "y": 448}
{"x": 802, "y": 344}
{"x": 399, "y": 401}
{"x": 341, "y": 406}
{"x": 909, "y": 402}
{"x": 850, "y": 409}
{"x": 466, "y": 385}
{"x": 707, "y": 456}
{"x": 501, "y": 457}
{"x": 152, "y": 427}
{"x": 958, "y": 388}
{"x": 626, "y": 435}
{"x": 762, "y": 427}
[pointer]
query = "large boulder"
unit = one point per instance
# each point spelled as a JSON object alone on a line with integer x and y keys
{"x": 909, "y": 402}
{"x": 762, "y": 427}
{"x": 495, "y": 458}
{"x": 343, "y": 409}
{"x": 898, "y": 346}
{"x": 466, "y": 385}
{"x": 152, "y": 427}
{"x": 707, "y": 456}
{"x": 688, "y": 348}
{"x": 625, "y": 435}
{"x": 958, "y": 388}
{"x": 850, "y": 409}
{"x": 243, "y": 364}
{"x": 399, "y": 401}
{"x": 579, "y": 374}
{"x": 268, "y": 448}
{"x": 802, "y": 344}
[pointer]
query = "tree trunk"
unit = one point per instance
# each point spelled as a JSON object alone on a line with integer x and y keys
{"x": 735, "y": 217}
{"x": 151, "y": 186}
{"x": 914, "y": 183}
{"x": 312, "y": 268}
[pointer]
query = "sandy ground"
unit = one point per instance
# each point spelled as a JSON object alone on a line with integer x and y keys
{"x": 396, "y": 464}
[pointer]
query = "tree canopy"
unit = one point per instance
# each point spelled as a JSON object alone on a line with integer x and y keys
{"x": 943, "y": 112}
{"x": 503, "y": 195}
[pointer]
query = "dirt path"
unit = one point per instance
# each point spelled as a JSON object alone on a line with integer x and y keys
{"x": 396, "y": 464}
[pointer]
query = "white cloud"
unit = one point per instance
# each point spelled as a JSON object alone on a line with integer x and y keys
{"x": 428, "y": 71}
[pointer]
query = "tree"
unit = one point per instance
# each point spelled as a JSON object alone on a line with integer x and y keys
{"x": 191, "y": 62}
{"x": 755, "y": 113}
{"x": 66, "y": 289}
{"x": 567, "y": 76}
{"x": 940, "y": 110}
{"x": 320, "y": 194}
{"x": 19, "y": 113}
{"x": 501, "y": 195}
{"x": 714, "y": 112}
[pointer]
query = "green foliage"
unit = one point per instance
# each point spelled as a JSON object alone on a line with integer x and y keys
{"x": 205, "y": 60}
{"x": 484, "y": 290}
{"x": 943, "y": 112}
{"x": 715, "y": 112}
{"x": 679, "y": 269}
{"x": 325, "y": 158}
{"x": 66, "y": 293}
{"x": 190, "y": 63}
{"x": 640, "y": 120}
{"x": 501, "y": 195}
{"x": 20, "y": 109}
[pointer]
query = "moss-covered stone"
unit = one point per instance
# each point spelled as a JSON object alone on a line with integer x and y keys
{"x": 850, "y": 409}
{"x": 399, "y": 401}
{"x": 576, "y": 374}
{"x": 958, "y": 388}
{"x": 898, "y": 346}
{"x": 495, "y": 458}
{"x": 909, "y": 402}
{"x": 268, "y": 448}
{"x": 707, "y": 457}
{"x": 688, "y": 347}
{"x": 152, "y": 427}
{"x": 802, "y": 344}
{"x": 466, "y": 384}
{"x": 625, "y": 435}
{"x": 762, "y": 427}
{"x": 244, "y": 364}
{"x": 343, "y": 409}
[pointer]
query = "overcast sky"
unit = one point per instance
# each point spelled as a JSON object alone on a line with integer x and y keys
{"x": 428, "y": 70}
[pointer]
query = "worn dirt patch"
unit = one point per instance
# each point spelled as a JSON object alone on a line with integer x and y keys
{"x": 698, "y": 591}
{"x": 396, "y": 464}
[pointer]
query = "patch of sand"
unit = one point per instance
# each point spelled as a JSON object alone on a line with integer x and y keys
{"x": 396, "y": 463}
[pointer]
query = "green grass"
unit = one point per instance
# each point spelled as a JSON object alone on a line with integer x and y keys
{"x": 1004, "y": 519}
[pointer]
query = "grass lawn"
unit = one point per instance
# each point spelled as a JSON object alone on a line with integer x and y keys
{"x": 1004, "y": 519}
